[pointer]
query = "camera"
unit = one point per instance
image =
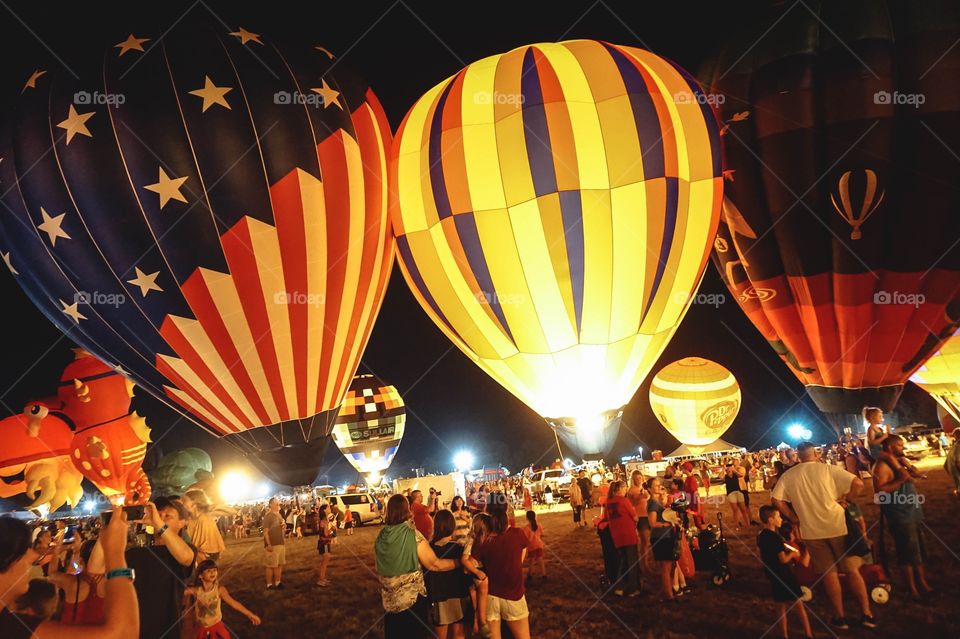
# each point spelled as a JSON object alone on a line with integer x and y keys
{"x": 134, "y": 513}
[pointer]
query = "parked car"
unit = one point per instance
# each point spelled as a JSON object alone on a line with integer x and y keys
{"x": 915, "y": 446}
{"x": 362, "y": 505}
{"x": 558, "y": 480}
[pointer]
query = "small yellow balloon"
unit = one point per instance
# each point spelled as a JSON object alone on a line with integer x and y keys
{"x": 695, "y": 399}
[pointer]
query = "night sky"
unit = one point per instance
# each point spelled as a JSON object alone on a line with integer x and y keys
{"x": 403, "y": 49}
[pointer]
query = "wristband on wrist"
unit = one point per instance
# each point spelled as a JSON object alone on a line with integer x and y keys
{"x": 162, "y": 530}
{"x": 126, "y": 573}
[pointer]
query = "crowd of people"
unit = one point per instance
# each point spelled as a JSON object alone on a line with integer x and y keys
{"x": 461, "y": 568}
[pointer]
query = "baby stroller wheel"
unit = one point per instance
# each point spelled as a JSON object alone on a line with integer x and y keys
{"x": 719, "y": 578}
{"x": 805, "y": 594}
{"x": 879, "y": 595}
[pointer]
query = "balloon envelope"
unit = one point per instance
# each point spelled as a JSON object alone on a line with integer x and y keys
{"x": 695, "y": 399}
{"x": 940, "y": 376}
{"x": 210, "y": 214}
{"x": 370, "y": 424}
{"x": 554, "y": 207}
{"x": 839, "y": 226}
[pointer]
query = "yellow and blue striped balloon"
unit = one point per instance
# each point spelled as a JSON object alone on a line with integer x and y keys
{"x": 554, "y": 207}
{"x": 695, "y": 399}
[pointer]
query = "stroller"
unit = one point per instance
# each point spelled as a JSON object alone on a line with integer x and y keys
{"x": 874, "y": 576}
{"x": 710, "y": 552}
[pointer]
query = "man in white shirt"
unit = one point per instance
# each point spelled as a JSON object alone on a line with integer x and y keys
{"x": 814, "y": 491}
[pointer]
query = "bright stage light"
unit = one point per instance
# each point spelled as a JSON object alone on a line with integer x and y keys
{"x": 463, "y": 460}
{"x": 235, "y": 486}
{"x": 799, "y": 432}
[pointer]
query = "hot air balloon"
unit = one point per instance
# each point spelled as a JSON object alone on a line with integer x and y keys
{"x": 839, "y": 226}
{"x": 370, "y": 425}
{"x": 940, "y": 376}
{"x": 109, "y": 440}
{"x": 554, "y": 207}
{"x": 207, "y": 210}
{"x": 180, "y": 469}
{"x": 35, "y": 460}
{"x": 696, "y": 400}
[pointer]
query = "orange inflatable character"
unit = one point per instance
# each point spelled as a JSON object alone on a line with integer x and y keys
{"x": 35, "y": 459}
{"x": 109, "y": 440}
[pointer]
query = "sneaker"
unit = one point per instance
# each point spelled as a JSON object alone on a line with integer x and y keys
{"x": 485, "y": 631}
{"x": 867, "y": 621}
{"x": 269, "y": 586}
{"x": 618, "y": 592}
{"x": 279, "y": 585}
{"x": 840, "y": 623}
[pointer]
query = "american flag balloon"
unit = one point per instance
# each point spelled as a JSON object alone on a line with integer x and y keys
{"x": 206, "y": 209}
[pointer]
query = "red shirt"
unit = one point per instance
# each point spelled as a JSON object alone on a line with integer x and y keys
{"x": 501, "y": 557}
{"x": 422, "y": 519}
{"x": 622, "y": 518}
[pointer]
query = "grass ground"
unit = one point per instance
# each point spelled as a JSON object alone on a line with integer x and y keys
{"x": 570, "y": 602}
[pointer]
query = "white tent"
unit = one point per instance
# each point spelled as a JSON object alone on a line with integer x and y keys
{"x": 718, "y": 447}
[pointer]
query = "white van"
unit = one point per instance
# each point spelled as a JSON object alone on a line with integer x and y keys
{"x": 362, "y": 505}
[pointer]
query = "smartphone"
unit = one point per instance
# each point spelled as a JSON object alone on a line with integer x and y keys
{"x": 134, "y": 513}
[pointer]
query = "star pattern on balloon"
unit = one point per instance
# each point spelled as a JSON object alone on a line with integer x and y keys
{"x": 246, "y": 36}
{"x": 330, "y": 96}
{"x": 6, "y": 260}
{"x": 146, "y": 281}
{"x": 212, "y": 94}
{"x": 76, "y": 123}
{"x": 167, "y": 188}
{"x": 72, "y": 311}
{"x": 52, "y": 226}
{"x": 32, "y": 80}
{"x": 132, "y": 43}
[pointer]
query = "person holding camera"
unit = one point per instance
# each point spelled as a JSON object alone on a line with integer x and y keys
{"x": 901, "y": 506}
{"x": 421, "y": 514}
{"x": 163, "y": 568}
{"x": 121, "y": 619}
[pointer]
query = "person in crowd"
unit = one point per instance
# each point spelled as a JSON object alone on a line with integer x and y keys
{"x": 538, "y": 566}
{"x": 40, "y": 600}
{"x": 84, "y": 587}
{"x": 777, "y": 556}
{"x": 576, "y": 504}
{"x": 348, "y": 523}
{"x": 621, "y": 517}
{"x": 877, "y": 430}
{"x": 326, "y": 532}
{"x": 433, "y": 503}
{"x": 461, "y": 517}
{"x": 239, "y": 525}
{"x": 480, "y": 528}
{"x": 902, "y": 508}
{"x": 662, "y": 535}
{"x": 274, "y": 548}
{"x": 502, "y": 554}
{"x": 637, "y": 495}
{"x": 121, "y": 620}
{"x": 734, "y": 484}
{"x": 449, "y": 592}
{"x": 527, "y": 502}
{"x": 808, "y": 496}
{"x": 401, "y": 550}
{"x": 162, "y": 568}
{"x": 586, "y": 490}
{"x": 47, "y": 548}
{"x": 952, "y": 462}
{"x": 421, "y": 514}
{"x": 205, "y": 597}
{"x": 201, "y": 527}
{"x": 704, "y": 469}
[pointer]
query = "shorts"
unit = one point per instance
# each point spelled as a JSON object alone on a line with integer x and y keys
{"x": 216, "y": 631}
{"x": 664, "y": 544}
{"x": 276, "y": 558}
{"x": 444, "y": 613}
{"x": 643, "y": 523}
{"x": 827, "y": 555}
{"x": 324, "y": 548}
{"x": 507, "y": 609}
{"x": 908, "y": 540}
{"x": 736, "y": 497}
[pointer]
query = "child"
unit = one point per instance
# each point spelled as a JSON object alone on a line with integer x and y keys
{"x": 326, "y": 533}
{"x": 777, "y": 555}
{"x": 479, "y": 529}
{"x": 207, "y": 592}
{"x": 40, "y": 600}
{"x": 348, "y": 520}
{"x": 535, "y": 553}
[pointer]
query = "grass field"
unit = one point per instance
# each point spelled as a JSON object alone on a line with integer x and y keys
{"x": 570, "y": 602}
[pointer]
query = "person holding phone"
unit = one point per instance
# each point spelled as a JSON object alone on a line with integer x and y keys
{"x": 163, "y": 568}
{"x": 121, "y": 618}
{"x": 83, "y": 587}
